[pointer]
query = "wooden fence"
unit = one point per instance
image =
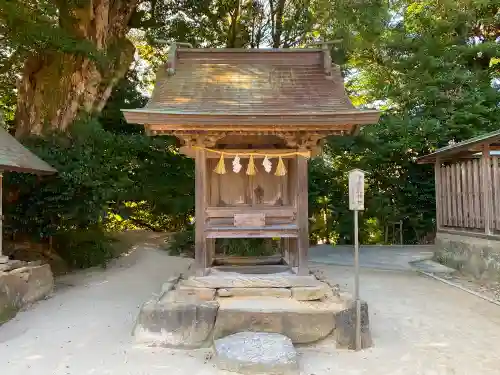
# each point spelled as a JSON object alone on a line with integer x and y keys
{"x": 467, "y": 198}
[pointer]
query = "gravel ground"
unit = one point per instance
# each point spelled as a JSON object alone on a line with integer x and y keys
{"x": 419, "y": 326}
{"x": 487, "y": 288}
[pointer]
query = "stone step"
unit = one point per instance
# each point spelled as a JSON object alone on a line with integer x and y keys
{"x": 303, "y": 322}
{"x": 250, "y": 281}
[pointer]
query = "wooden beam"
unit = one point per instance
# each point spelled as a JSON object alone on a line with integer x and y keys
{"x": 437, "y": 179}
{"x": 496, "y": 187}
{"x": 486, "y": 188}
{"x": 302, "y": 214}
{"x": 476, "y": 175}
{"x": 200, "y": 211}
{"x": 191, "y": 152}
{"x": 210, "y": 244}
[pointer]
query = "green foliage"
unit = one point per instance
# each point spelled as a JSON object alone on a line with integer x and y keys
{"x": 249, "y": 247}
{"x": 125, "y": 96}
{"x": 84, "y": 248}
{"x": 432, "y": 69}
{"x": 432, "y": 66}
{"x": 182, "y": 243}
{"x": 100, "y": 175}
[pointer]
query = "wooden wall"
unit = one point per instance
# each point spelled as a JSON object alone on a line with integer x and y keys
{"x": 239, "y": 189}
{"x": 466, "y": 198}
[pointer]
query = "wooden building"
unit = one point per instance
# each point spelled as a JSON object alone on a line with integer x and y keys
{"x": 14, "y": 157}
{"x": 467, "y": 177}
{"x": 251, "y": 119}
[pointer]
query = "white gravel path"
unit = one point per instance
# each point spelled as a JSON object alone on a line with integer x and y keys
{"x": 419, "y": 326}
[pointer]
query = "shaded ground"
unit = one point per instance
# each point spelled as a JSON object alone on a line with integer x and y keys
{"x": 420, "y": 326}
{"x": 402, "y": 258}
{"x": 375, "y": 257}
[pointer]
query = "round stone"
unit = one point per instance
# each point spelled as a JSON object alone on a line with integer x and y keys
{"x": 256, "y": 353}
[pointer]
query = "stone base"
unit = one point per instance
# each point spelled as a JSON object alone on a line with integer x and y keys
{"x": 345, "y": 327}
{"x": 476, "y": 255}
{"x": 302, "y": 322}
{"x": 191, "y": 312}
{"x": 22, "y": 286}
{"x": 180, "y": 322}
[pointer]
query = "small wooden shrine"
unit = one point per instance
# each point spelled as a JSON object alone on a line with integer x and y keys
{"x": 251, "y": 119}
{"x": 14, "y": 157}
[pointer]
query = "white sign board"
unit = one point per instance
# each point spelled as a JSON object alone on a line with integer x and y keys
{"x": 357, "y": 190}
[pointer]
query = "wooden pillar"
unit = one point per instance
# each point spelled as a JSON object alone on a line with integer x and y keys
{"x": 438, "y": 187}
{"x": 302, "y": 215}
{"x": 290, "y": 252}
{"x": 210, "y": 245}
{"x": 200, "y": 211}
{"x": 486, "y": 188}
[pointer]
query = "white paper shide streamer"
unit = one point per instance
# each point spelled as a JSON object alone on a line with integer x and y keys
{"x": 236, "y": 164}
{"x": 267, "y": 165}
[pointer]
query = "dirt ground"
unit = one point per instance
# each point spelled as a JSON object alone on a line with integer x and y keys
{"x": 419, "y": 326}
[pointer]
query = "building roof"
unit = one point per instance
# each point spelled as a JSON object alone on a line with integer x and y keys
{"x": 467, "y": 148}
{"x": 249, "y": 87}
{"x": 17, "y": 158}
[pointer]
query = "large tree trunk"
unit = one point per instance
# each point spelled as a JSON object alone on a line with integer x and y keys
{"x": 55, "y": 85}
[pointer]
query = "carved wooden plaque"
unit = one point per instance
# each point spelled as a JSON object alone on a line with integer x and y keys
{"x": 250, "y": 220}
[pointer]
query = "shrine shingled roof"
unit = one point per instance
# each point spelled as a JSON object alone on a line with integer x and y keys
{"x": 223, "y": 87}
{"x": 17, "y": 158}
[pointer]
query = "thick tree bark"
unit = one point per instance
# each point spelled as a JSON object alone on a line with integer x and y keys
{"x": 55, "y": 86}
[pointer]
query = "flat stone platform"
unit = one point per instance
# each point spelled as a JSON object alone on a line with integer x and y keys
{"x": 304, "y": 308}
{"x": 238, "y": 280}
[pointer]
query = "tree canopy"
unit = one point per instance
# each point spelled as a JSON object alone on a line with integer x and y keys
{"x": 68, "y": 67}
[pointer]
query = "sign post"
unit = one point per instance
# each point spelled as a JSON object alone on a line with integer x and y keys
{"x": 357, "y": 203}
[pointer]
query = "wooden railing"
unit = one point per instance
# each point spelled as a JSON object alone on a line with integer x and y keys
{"x": 466, "y": 197}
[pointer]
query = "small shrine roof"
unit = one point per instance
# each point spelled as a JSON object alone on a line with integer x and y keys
{"x": 17, "y": 158}
{"x": 207, "y": 89}
{"x": 469, "y": 148}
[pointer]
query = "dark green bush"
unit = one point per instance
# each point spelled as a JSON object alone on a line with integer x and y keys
{"x": 105, "y": 182}
{"x": 249, "y": 247}
{"x": 84, "y": 248}
{"x": 182, "y": 243}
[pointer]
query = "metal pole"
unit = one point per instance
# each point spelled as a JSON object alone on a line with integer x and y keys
{"x": 356, "y": 281}
{"x": 1, "y": 215}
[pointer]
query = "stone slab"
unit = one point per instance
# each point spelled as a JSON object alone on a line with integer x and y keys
{"x": 250, "y": 281}
{"x": 24, "y": 286}
{"x": 185, "y": 323}
{"x": 310, "y": 293}
{"x": 302, "y": 322}
{"x": 254, "y": 292}
{"x": 205, "y": 294}
{"x": 256, "y": 353}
